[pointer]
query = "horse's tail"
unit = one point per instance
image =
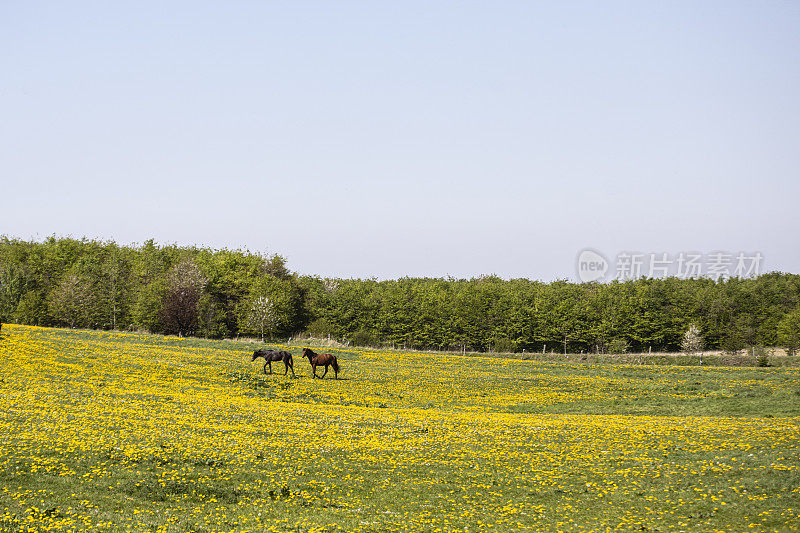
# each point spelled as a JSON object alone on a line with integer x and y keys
{"x": 335, "y": 365}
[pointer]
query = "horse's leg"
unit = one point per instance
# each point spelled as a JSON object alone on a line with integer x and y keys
{"x": 265, "y": 367}
{"x": 323, "y": 374}
{"x": 314, "y": 370}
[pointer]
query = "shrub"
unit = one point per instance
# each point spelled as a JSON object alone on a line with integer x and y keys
{"x": 762, "y": 357}
{"x": 733, "y": 344}
{"x": 320, "y": 328}
{"x": 618, "y": 346}
{"x": 789, "y": 331}
{"x": 364, "y": 337}
{"x": 505, "y": 345}
{"x": 692, "y": 340}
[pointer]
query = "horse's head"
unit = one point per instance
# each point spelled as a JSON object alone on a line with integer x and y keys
{"x": 256, "y": 354}
{"x": 307, "y": 352}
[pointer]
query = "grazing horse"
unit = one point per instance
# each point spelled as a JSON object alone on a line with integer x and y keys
{"x": 321, "y": 360}
{"x": 275, "y": 355}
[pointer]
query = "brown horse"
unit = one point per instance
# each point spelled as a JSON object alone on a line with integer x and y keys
{"x": 275, "y": 355}
{"x": 321, "y": 360}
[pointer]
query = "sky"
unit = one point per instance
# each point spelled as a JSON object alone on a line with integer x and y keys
{"x": 391, "y": 139}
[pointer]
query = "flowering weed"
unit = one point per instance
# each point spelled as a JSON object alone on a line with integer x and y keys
{"x": 120, "y": 432}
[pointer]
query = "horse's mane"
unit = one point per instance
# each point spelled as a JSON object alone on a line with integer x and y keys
{"x": 310, "y": 352}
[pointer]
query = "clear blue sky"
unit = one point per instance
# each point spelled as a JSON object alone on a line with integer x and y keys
{"x": 384, "y": 139}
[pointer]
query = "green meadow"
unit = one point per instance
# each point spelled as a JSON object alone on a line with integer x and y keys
{"x": 108, "y": 431}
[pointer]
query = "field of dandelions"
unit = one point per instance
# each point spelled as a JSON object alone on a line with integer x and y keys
{"x": 107, "y": 431}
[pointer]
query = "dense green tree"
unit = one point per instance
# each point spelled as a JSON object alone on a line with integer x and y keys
{"x": 274, "y": 306}
{"x": 114, "y": 284}
{"x": 13, "y": 286}
{"x": 72, "y": 301}
{"x": 64, "y": 281}
{"x": 789, "y": 331}
{"x": 180, "y": 306}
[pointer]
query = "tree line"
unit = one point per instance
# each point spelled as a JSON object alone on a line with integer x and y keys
{"x": 203, "y": 292}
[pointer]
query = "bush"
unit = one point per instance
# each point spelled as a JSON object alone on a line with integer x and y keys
{"x": 364, "y": 337}
{"x": 733, "y": 344}
{"x": 505, "y": 345}
{"x": 320, "y": 328}
{"x": 789, "y": 331}
{"x": 762, "y": 357}
{"x": 618, "y": 346}
{"x": 692, "y": 340}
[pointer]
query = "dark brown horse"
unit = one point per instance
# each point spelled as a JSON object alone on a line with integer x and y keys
{"x": 275, "y": 355}
{"x": 325, "y": 360}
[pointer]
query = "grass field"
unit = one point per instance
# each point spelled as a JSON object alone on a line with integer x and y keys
{"x": 122, "y": 432}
